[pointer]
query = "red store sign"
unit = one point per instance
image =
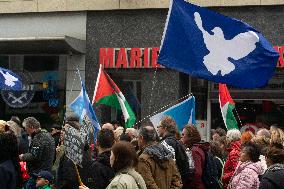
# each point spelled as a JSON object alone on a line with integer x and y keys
{"x": 146, "y": 57}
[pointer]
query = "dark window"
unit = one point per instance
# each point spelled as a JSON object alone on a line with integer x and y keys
{"x": 41, "y": 63}
{"x": 4, "y": 62}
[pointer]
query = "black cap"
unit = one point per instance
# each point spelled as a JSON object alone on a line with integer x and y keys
{"x": 46, "y": 175}
{"x": 55, "y": 126}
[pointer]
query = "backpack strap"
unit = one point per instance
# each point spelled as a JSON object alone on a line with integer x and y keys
{"x": 222, "y": 163}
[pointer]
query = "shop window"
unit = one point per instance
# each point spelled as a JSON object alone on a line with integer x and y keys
{"x": 41, "y": 63}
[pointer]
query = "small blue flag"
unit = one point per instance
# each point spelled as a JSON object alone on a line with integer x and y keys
{"x": 9, "y": 80}
{"x": 215, "y": 47}
{"x": 84, "y": 109}
{"x": 183, "y": 113}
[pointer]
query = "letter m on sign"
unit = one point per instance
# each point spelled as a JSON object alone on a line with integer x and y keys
{"x": 107, "y": 57}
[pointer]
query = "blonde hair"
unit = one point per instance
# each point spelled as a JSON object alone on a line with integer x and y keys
{"x": 2, "y": 125}
{"x": 277, "y": 136}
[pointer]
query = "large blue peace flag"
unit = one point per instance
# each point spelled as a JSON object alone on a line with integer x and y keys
{"x": 215, "y": 47}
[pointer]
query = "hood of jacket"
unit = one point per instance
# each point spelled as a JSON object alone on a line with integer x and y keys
{"x": 236, "y": 145}
{"x": 205, "y": 146}
{"x": 255, "y": 166}
{"x": 160, "y": 154}
{"x": 104, "y": 158}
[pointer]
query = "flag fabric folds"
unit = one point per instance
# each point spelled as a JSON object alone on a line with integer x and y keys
{"x": 82, "y": 107}
{"x": 206, "y": 44}
{"x": 107, "y": 93}
{"x": 9, "y": 80}
{"x": 227, "y": 105}
{"x": 183, "y": 113}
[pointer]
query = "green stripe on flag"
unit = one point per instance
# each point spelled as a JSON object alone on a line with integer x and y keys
{"x": 231, "y": 121}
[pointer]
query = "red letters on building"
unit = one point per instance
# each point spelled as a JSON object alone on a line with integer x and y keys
{"x": 135, "y": 58}
{"x": 107, "y": 57}
{"x": 121, "y": 59}
{"x": 280, "y": 49}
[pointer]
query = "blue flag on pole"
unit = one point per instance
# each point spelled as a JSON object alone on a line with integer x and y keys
{"x": 183, "y": 113}
{"x": 215, "y": 47}
{"x": 84, "y": 109}
{"x": 9, "y": 80}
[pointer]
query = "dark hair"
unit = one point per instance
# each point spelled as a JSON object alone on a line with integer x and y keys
{"x": 221, "y": 132}
{"x": 124, "y": 137}
{"x": 215, "y": 148}
{"x": 252, "y": 150}
{"x": 9, "y": 151}
{"x": 148, "y": 133}
{"x": 193, "y": 135}
{"x": 169, "y": 124}
{"x": 125, "y": 156}
{"x": 105, "y": 138}
{"x": 275, "y": 154}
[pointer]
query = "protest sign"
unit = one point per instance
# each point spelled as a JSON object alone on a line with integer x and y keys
{"x": 88, "y": 129}
{"x": 74, "y": 141}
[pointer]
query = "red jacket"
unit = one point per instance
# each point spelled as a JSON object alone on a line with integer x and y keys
{"x": 199, "y": 159}
{"x": 231, "y": 163}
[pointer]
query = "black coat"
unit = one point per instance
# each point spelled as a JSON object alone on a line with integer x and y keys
{"x": 41, "y": 152}
{"x": 273, "y": 178}
{"x": 101, "y": 172}
{"x": 8, "y": 175}
{"x": 178, "y": 150}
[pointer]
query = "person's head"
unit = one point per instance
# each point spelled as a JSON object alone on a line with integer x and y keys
{"x": 105, "y": 139}
{"x": 223, "y": 143}
{"x": 14, "y": 128}
{"x": 115, "y": 124}
{"x": 31, "y": 125}
{"x": 190, "y": 136}
{"x": 122, "y": 156}
{"x": 250, "y": 152}
{"x": 246, "y": 136}
{"x": 43, "y": 178}
{"x": 219, "y": 132}
{"x": 3, "y": 126}
{"x": 233, "y": 135}
{"x": 167, "y": 125}
{"x": 261, "y": 140}
{"x": 274, "y": 154}
{"x": 117, "y": 132}
{"x": 108, "y": 126}
{"x": 277, "y": 136}
{"x": 216, "y": 149}
{"x": 55, "y": 128}
{"x": 17, "y": 120}
{"x": 263, "y": 132}
{"x": 132, "y": 132}
{"x": 124, "y": 137}
{"x": 146, "y": 135}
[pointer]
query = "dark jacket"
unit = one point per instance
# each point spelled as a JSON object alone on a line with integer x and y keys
{"x": 8, "y": 175}
{"x": 101, "y": 172}
{"x": 41, "y": 152}
{"x": 273, "y": 178}
{"x": 178, "y": 151}
{"x": 158, "y": 169}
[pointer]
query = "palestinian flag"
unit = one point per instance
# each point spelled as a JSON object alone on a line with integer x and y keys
{"x": 107, "y": 93}
{"x": 227, "y": 106}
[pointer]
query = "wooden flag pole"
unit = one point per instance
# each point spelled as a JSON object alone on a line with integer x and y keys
{"x": 79, "y": 177}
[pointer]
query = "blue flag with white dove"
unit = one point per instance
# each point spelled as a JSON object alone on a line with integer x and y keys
{"x": 82, "y": 107}
{"x": 9, "y": 80}
{"x": 183, "y": 113}
{"x": 215, "y": 47}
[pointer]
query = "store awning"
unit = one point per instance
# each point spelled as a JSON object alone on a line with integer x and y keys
{"x": 42, "y": 45}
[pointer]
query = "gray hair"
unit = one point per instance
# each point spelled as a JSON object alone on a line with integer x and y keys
{"x": 31, "y": 122}
{"x": 263, "y": 132}
{"x": 148, "y": 133}
{"x": 234, "y": 135}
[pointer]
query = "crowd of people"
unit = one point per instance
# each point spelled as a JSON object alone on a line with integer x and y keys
{"x": 148, "y": 157}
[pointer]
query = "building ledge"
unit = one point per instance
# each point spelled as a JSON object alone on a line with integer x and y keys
{"x": 25, "y": 6}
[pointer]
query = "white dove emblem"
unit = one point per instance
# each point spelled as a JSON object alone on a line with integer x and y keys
{"x": 9, "y": 79}
{"x": 221, "y": 49}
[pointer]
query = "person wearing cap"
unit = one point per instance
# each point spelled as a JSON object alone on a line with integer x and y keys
{"x": 44, "y": 179}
